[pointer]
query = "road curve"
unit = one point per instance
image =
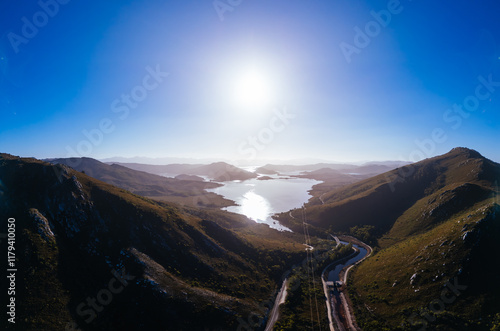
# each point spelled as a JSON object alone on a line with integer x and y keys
{"x": 344, "y": 296}
{"x": 332, "y": 314}
{"x": 329, "y": 304}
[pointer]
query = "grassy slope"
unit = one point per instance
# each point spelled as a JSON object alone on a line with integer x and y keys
{"x": 436, "y": 256}
{"x": 412, "y": 215}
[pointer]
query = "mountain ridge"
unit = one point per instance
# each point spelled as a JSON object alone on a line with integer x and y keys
{"x": 393, "y": 192}
{"x": 433, "y": 223}
{"x": 176, "y": 190}
{"x": 75, "y": 233}
{"x": 217, "y": 171}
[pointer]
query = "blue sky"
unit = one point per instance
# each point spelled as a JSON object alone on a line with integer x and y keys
{"x": 261, "y": 79}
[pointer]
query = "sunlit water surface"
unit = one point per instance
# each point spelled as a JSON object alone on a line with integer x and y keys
{"x": 260, "y": 199}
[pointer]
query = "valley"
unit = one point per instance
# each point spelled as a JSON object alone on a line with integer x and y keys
{"x": 420, "y": 228}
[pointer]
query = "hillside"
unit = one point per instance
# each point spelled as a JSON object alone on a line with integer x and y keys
{"x": 435, "y": 222}
{"x": 332, "y": 176}
{"x": 218, "y": 171}
{"x": 370, "y": 168}
{"x": 176, "y": 168}
{"x": 459, "y": 178}
{"x": 277, "y": 168}
{"x": 222, "y": 172}
{"x": 442, "y": 279}
{"x": 164, "y": 268}
{"x": 190, "y": 191}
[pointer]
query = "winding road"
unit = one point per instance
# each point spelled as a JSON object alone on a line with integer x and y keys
{"x": 340, "y": 314}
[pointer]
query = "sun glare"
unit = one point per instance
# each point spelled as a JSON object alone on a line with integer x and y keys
{"x": 252, "y": 89}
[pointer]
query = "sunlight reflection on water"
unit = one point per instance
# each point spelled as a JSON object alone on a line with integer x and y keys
{"x": 260, "y": 199}
{"x": 255, "y": 206}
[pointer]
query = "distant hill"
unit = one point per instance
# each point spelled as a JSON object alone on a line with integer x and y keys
{"x": 433, "y": 222}
{"x": 222, "y": 172}
{"x": 277, "y": 168}
{"x": 265, "y": 171}
{"x": 175, "y": 168}
{"x": 142, "y": 183}
{"x": 335, "y": 178}
{"x": 189, "y": 177}
{"x": 330, "y": 180}
{"x": 371, "y": 168}
{"x": 323, "y": 172}
{"x": 146, "y": 265}
{"x": 219, "y": 171}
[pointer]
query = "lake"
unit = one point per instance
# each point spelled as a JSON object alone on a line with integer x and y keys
{"x": 260, "y": 199}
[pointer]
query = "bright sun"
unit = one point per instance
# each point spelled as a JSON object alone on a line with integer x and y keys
{"x": 253, "y": 89}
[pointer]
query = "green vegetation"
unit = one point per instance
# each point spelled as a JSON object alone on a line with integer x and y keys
{"x": 448, "y": 236}
{"x": 305, "y": 298}
{"x": 434, "y": 229}
{"x": 185, "y": 261}
{"x": 435, "y": 221}
{"x": 364, "y": 233}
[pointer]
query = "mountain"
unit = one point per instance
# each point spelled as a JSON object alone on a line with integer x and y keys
{"x": 339, "y": 176}
{"x": 435, "y": 225}
{"x": 276, "y": 168}
{"x": 461, "y": 178}
{"x": 171, "y": 169}
{"x": 222, "y": 172}
{"x": 92, "y": 256}
{"x": 142, "y": 183}
{"x": 189, "y": 177}
{"x": 371, "y": 168}
{"x": 218, "y": 171}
